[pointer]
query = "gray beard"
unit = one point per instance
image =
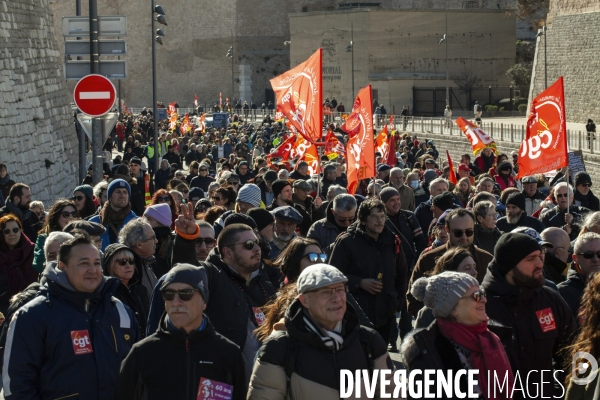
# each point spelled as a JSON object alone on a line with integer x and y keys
{"x": 283, "y": 238}
{"x": 513, "y": 220}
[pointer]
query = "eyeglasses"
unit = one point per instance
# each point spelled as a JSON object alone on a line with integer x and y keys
{"x": 316, "y": 257}
{"x": 67, "y": 214}
{"x": 78, "y": 198}
{"x": 248, "y": 244}
{"x": 153, "y": 237}
{"x": 14, "y": 230}
{"x": 215, "y": 198}
{"x": 588, "y": 255}
{"x": 586, "y": 184}
{"x": 326, "y": 294}
{"x": 184, "y": 294}
{"x": 123, "y": 261}
{"x": 477, "y": 296}
{"x": 561, "y": 195}
{"x": 209, "y": 242}
{"x": 165, "y": 199}
{"x": 458, "y": 232}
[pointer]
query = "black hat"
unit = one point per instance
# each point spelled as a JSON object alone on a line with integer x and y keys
{"x": 288, "y": 213}
{"x": 511, "y": 248}
{"x": 504, "y": 165}
{"x": 237, "y": 218}
{"x": 92, "y": 228}
{"x": 109, "y": 253}
{"x": 135, "y": 160}
{"x": 516, "y": 199}
{"x": 582, "y": 177}
{"x": 278, "y": 186}
{"x": 262, "y": 217}
{"x": 270, "y": 176}
{"x": 444, "y": 201}
{"x": 192, "y": 275}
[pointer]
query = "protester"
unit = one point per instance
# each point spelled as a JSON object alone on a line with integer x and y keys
{"x": 583, "y": 192}
{"x": 5, "y": 182}
{"x": 17, "y": 203}
{"x": 340, "y": 214}
{"x": 83, "y": 197}
{"x": 533, "y": 197}
{"x": 565, "y": 215}
{"x": 516, "y": 215}
{"x": 557, "y": 254}
{"x": 486, "y": 233}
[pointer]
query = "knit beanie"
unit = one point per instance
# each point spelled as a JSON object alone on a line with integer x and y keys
{"x": 516, "y": 199}
{"x": 187, "y": 273}
{"x": 116, "y": 184}
{"x": 429, "y": 175}
{"x": 109, "y": 253}
{"x": 442, "y": 292}
{"x": 85, "y": 189}
{"x": 278, "y": 186}
{"x": 511, "y": 248}
{"x": 444, "y": 201}
{"x": 249, "y": 193}
{"x": 237, "y": 218}
{"x": 582, "y": 177}
{"x": 262, "y": 217}
{"x": 387, "y": 193}
{"x": 160, "y": 212}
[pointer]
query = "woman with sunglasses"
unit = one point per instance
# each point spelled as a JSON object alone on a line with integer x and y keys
{"x": 184, "y": 189}
{"x": 459, "y": 337}
{"x": 83, "y": 197}
{"x": 224, "y": 197}
{"x": 583, "y": 192}
{"x": 119, "y": 262}
{"x": 162, "y": 196}
{"x": 60, "y": 214}
{"x": 16, "y": 256}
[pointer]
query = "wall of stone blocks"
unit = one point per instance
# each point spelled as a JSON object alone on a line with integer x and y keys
{"x": 36, "y": 121}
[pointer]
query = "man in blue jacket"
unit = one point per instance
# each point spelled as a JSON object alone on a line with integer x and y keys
{"x": 70, "y": 340}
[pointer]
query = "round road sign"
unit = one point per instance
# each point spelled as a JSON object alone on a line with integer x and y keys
{"x": 94, "y": 95}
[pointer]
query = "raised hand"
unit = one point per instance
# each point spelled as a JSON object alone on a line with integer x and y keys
{"x": 186, "y": 223}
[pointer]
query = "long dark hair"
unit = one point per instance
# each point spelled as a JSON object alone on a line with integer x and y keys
{"x": 289, "y": 259}
{"x": 450, "y": 260}
{"x": 89, "y": 208}
{"x": 51, "y": 220}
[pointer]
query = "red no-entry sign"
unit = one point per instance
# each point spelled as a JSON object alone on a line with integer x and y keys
{"x": 94, "y": 95}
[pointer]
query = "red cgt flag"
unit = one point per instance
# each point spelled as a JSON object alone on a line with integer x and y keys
{"x": 545, "y": 145}
{"x": 360, "y": 163}
{"x": 478, "y": 138}
{"x": 185, "y": 125}
{"x": 283, "y": 150}
{"x": 306, "y": 151}
{"x": 300, "y": 97}
{"x": 171, "y": 108}
{"x": 383, "y": 144}
{"x": 333, "y": 147}
{"x": 453, "y": 177}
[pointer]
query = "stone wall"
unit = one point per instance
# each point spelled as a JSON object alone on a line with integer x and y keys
{"x": 573, "y": 47}
{"x": 36, "y": 122}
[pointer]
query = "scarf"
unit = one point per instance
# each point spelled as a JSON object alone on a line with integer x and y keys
{"x": 15, "y": 264}
{"x": 487, "y": 353}
{"x": 584, "y": 200}
{"x": 113, "y": 219}
{"x": 332, "y": 339}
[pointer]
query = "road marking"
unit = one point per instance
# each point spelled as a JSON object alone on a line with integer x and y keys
{"x": 94, "y": 95}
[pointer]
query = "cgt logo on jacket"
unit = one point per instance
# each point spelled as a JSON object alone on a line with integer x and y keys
{"x": 81, "y": 342}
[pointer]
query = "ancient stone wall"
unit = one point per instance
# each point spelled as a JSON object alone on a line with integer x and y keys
{"x": 36, "y": 122}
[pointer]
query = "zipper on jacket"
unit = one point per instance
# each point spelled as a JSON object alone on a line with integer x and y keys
{"x": 86, "y": 305}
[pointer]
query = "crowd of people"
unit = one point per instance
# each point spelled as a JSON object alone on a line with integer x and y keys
{"x": 225, "y": 273}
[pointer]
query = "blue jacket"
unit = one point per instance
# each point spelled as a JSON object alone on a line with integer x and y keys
{"x": 106, "y": 236}
{"x": 57, "y": 349}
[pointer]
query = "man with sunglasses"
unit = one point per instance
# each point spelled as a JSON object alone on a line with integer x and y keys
{"x": 341, "y": 212}
{"x": 192, "y": 354}
{"x": 205, "y": 241}
{"x": 283, "y": 197}
{"x": 460, "y": 226}
{"x": 17, "y": 203}
{"x": 287, "y": 219}
{"x": 565, "y": 215}
{"x": 586, "y": 262}
{"x": 541, "y": 320}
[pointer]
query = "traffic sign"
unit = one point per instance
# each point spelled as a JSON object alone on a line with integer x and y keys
{"x": 107, "y": 123}
{"x": 116, "y": 47}
{"x": 95, "y": 95}
{"x": 112, "y": 69}
{"x": 80, "y": 26}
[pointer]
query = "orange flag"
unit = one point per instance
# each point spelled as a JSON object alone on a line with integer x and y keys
{"x": 360, "y": 163}
{"x": 333, "y": 147}
{"x": 478, "y": 138}
{"x": 185, "y": 125}
{"x": 299, "y": 96}
{"x": 306, "y": 151}
{"x": 202, "y": 124}
{"x": 171, "y": 108}
{"x": 545, "y": 145}
{"x": 453, "y": 177}
{"x": 382, "y": 143}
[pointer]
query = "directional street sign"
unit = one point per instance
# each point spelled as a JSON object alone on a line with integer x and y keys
{"x": 95, "y": 95}
{"x": 112, "y": 69}
{"x": 116, "y": 47}
{"x": 80, "y": 26}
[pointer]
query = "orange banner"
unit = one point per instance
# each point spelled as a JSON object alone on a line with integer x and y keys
{"x": 173, "y": 121}
{"x": 545, "y": 145}
{"x": 195, "y": 99}
{"x": 382, "y": 143}
{"x": 453, "y": 177}
{"x": 478, "y": 138}
{"x": 306, "y": 151}
{"x": 171, "y": 108}
{"x": 333, "y": 147}
{"x": 299, "y": 96}
{"x": 283, "y": 150}
{"x": 360, "y": 163}
{"x": 185, "y": 125}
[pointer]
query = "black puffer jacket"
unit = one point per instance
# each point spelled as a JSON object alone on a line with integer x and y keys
{"x": 542, "y": 325}
{"x": 359, "y": 256}
{"x": 572, "y": 290}
{"x": 325, "y": 230}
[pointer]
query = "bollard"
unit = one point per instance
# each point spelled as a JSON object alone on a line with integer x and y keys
{"x": 501, "y": 131}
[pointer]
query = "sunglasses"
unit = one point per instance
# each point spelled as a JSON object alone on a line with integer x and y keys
{"x": 165, "y": 199}
{"x": 588, "y": 255}
{"x": 184, "y": 294}
{"x": 477, "y": 296}
{"x": 316, "y": 257}
{"x": 586, "y": 184}
{"x": 234, "y": 183}
{"x": 458, "y": 232}
{"x": 78, "y": 198}
{"x": 123, "y": 261}
{"x": 558, "y": 196}
{"x": 14, "y": 230}
{"x": 248, "y": 244}
{"x": 67, "y": 214}
{"x": 215, "y": 198}
{"x": 209, "y": 242}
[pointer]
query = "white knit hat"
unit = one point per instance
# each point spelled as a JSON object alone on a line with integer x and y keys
{"x": 249, "y": 193}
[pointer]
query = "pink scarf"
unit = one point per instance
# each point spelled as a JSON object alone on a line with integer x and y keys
{"x": 487, "y": 353}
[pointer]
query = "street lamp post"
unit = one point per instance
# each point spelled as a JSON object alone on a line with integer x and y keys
{"x": 161, "y": 19}
{"x": 350, "y": 49}
{"x": 445, "y": 40}
{"x": 230, "y": 54}
{"x": 543, "y": 32}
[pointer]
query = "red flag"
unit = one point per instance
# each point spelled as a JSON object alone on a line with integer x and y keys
{"x": 360, "y": 148}
{"x": 185, "y": 125}
{"x": 478, "y": 138}
{"x": 453, "y": 177}
{"x": 382, "y": 143}
{"x": 299, "y": 96}
{"x": 171, "y": 108}
{"x": 391, "y": 159}
{"x": 195, "y": 99}
{"x": 306, "y": 151}
{"x": 333, "y": 147}
{"x": 545, "y": 145}
{"x": 283, "y": 150}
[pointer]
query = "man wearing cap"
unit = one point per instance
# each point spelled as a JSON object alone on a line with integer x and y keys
{"x": 466, "y": 159}
{"x": 287, "y": 219}
{"x": 465, "y": 172}
{"x": 441, "y": 203}
{"x": 341, "y": 212}
{"x": 194, "y": 358}
{"x": 116, "y": 212}
{"x": 558, "y": 246}
{"x": 383, "y": 172}
{"x": 244, "y": 172}
{"x": 586, "y": 262}
{"x": 321, "y": 338}
{"x": 301, "y": 171}
{"x": 372, "y": 257}
{"x": 283, "y": 195}
{"x": 170, "y": 156}
{"x": 516, "y": 216}
{"x": 203, "y": 180}
{"x": 407, "y": 195}
{"x": 423, "y": 212}
{"x": 460, "y": 226}
{"x": 248, "y": 197}
{"x": 583, "y": 192}
{"x": 541, "y": 320}
{"x": 301, "y": 197}
{"x": 94, "y": 229}
{"x": 195, "y": 195}
{"x": 533, "y": 197}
